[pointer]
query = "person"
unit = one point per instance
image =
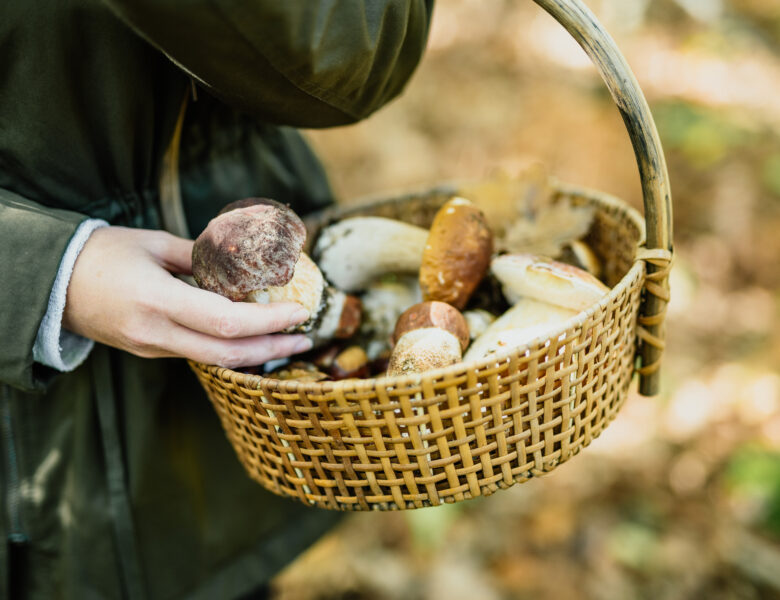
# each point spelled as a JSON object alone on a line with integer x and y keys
{"x": 117, "y": 480}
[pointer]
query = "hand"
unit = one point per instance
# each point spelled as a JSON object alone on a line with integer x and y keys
{"x": 123, "y": 293}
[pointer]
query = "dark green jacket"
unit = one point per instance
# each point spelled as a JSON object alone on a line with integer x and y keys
{"x": 116, "y": 479}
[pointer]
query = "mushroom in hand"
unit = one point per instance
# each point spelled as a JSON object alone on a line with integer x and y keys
{"x": 253, "y": 253}
{"x": 248, "y": 248}
{"x": 427, "y": 336}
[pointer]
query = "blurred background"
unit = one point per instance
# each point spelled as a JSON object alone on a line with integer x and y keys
{"x": 680, "y": 497}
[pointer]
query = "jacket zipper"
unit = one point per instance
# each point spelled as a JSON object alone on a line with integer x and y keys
{"x": 16, "y": 532}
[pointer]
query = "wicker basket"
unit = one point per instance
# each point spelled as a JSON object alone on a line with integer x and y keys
{"x": 472, "y": 428}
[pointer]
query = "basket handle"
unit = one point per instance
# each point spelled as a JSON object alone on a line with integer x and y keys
{"x": 582, "y": 24}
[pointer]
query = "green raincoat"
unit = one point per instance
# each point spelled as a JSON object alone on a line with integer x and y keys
{"x": 116, "y": 479}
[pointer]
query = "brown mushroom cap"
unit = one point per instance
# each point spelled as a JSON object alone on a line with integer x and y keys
{"x": 457, "y": 253}
{"x": 248, "y": 248}
{"x": 433, "y": 314}
{"x": 244, "y": 202}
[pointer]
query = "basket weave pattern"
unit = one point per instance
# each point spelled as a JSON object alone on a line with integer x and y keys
{"x": 454, "y": 433}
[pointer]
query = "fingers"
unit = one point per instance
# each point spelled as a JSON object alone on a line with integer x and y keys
{"x": 216, "y": 316}
{"x": 235, "y": 353}
{"x": 174, "y": 253}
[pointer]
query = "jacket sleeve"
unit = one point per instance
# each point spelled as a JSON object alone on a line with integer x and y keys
{"x": 305, "y": 63}
{"x": 33, "y": 239}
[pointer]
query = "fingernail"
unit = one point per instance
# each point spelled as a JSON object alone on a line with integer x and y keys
{"x": 303, "y": 345}
{"x": 299, "y": 316}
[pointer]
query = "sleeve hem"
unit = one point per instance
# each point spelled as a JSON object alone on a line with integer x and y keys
{"x": 55, "y": 347}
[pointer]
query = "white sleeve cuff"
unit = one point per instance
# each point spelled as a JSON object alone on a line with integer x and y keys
{"x": 55, "y": 347}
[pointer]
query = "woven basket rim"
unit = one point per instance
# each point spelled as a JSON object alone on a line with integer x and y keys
{"x": 257, "y": 382}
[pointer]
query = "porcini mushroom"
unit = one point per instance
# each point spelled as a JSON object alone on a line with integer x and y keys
{"x": 248, "y": 248}
{"x": 531, "y": 276}
{"x": 427, "y": 336}
{"x": 354, "y": 252}
{"x": 526, "y": 320}
{"x": 252, "y": 252}
{"x": 457, "y": 253}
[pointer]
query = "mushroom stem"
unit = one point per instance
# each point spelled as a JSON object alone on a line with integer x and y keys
{"x": 333, "y": 314}
{"x": 354, "y": 252}
{"x": 423, "y": 350}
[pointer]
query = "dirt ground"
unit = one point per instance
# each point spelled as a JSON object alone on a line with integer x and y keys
{"x": 680, "y": 497}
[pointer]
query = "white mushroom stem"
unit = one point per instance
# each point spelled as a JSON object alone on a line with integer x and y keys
{"x": 306, "y": 288}
{"x": 527, "y": 320}
{"x": 530, "y": 276}
{"x": 328, "y": 307}
{"x": 354, "y": 252}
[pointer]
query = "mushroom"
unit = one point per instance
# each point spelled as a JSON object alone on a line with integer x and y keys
{"x": 531, "y": 276}
{"x": 354, "y": 252}
{"x": 252, "y": 247}
{"x": 427, "y": 336}
{"x": 525, "y": 321}
{"x": 252, "y": 252}
{"x": 457, "y": 253}
{"x": 323, "y": 358}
